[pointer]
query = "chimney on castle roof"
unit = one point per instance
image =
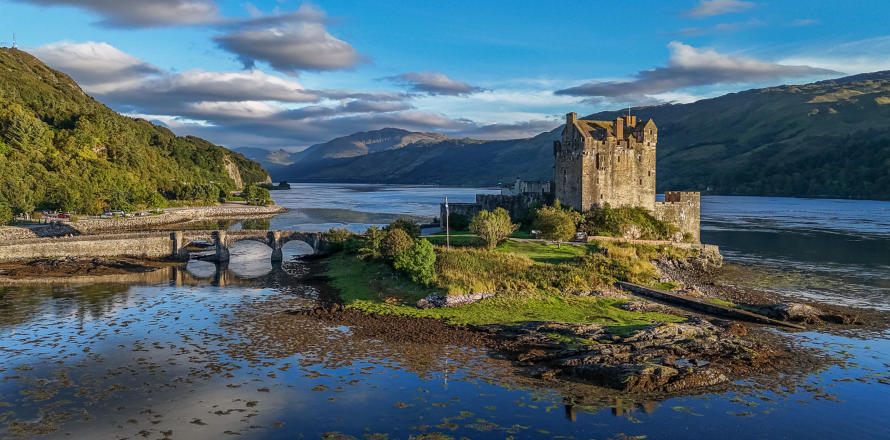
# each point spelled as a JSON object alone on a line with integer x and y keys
{"x": 571, "y": 118}
{"x": 630, "y": 121}
{"x": 619, "y": 128}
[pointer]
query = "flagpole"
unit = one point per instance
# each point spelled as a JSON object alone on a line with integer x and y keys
{"x": 447, "y": 233}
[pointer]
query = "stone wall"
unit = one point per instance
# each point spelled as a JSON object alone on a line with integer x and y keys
{"x": 171, "y": 217}
{"x": 683, "y": 209}
{"x": 517, "y": 205}
{"x": 528, "y": 186}
{"x": 148, "y": 246}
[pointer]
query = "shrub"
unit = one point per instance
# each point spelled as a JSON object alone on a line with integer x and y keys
{"x": 370, "y": 246}
{"x": 458, "y": 222}
{"x": 616, "y": 222}
{"x": 418, "y": 261}
{"x": 256, "y": 195}
{"x": 493, "y": 227}
{"x": 556, "y": 223}
{"x": 5, "y": 213}
{"x": 409, "y": 226}
{"x": 395, "y": 243}
{"x": 337, "y": 238}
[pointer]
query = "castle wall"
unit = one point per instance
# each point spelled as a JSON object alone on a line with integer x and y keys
{"x": 517, "y": 205}
{"x": 683, "y": 209}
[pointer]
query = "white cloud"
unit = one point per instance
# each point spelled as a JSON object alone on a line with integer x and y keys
{"x": 434, "y": 83}
{"x": 142, "y": 13}
{"x": 709, "y": 8}
{"x": 289, "y": 43}
{"x": 688, "y": 67}
{"x": 96, "y": 66}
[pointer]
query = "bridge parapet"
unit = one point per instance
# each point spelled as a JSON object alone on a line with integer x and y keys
{"x": 153, "y": 244}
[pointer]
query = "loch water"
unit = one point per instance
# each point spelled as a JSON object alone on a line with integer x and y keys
{"x": 204, "y": 353}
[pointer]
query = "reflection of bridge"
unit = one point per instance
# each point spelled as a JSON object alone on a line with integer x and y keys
{"x": 153, "y": 245}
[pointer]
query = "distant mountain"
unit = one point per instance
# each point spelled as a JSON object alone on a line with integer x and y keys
{"x": 61, "y": 149}
{"x": 825, "y": 139}
{"x": 266, "y": 157}
{"x": 367, "y": 142}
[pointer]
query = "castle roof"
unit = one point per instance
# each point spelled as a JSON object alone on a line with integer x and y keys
{"x": 594, "y": 128}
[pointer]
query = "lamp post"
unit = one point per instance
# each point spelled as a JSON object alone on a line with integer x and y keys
{"x": 447, "y": 233}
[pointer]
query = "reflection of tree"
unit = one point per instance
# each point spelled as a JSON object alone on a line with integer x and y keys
{"x": 256, "y": 224}
{"x": 20, "y": 304}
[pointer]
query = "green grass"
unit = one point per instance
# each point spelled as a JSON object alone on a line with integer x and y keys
{"x": 365, "y": 286}
{"x": 458, "y": 238}
{"x": 543, "y": 252}
{"x": 720, "y": 302}
{"x": 467, "y": 238}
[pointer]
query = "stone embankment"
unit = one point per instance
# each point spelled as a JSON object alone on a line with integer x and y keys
{"x": 170, "y": 216}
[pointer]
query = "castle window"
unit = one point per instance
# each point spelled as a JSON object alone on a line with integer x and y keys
{"x": 650, "y": 173}
{"x": 641, "y": 181}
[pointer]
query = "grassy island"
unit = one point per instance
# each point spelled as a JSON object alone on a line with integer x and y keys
{"x": 519, "y": 281}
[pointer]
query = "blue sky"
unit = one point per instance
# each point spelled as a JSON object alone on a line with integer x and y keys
{"x": 287, "y": 74}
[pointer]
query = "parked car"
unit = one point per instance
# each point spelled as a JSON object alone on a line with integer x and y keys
{"x": 63, "y": 216}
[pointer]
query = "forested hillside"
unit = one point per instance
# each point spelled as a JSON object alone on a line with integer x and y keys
{"x": 61, "y": 149}
{"x": 825, "y": 139}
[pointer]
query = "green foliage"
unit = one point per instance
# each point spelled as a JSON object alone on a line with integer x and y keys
{"x": 369, "y": 247}
{"x": 62, "y": 150}
{"x": 418, "y": 261}
{"x": 365, "y": 286}
{"x": 339, "y": 236}
{"x": 257, "y": 195}
{"x": 458, "y": 222}
{"x": 492, "y": 227}
{"x": 395, "y": 243}
{"x": 409, "y": 226}
{"x": 615, "y": 222}
{"x": 457, "y": 238}
{"x": 5, "y": 213}
{"x": 557, "y": 223}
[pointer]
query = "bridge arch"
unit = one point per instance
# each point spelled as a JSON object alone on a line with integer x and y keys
{"x": 223, "y": 240}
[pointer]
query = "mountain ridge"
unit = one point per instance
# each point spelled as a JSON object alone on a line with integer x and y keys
{"x": 825, "y": 139}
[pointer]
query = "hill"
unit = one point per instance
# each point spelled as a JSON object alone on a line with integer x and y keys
{"x": 61, "y": 149}
{"x": 825, "y": 139}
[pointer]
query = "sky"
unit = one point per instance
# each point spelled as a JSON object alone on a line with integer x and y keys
{"x": 286, "y": 74}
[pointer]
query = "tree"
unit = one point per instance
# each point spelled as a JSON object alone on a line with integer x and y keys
{"x": 556, "y": 223}
{"x": 395, "y": 243}
{"x": 407, "y": 225}
{"x": 5, "y": 213}
{"x": 255, "y": 195}
{"x": 418, "y": 262}
{"x": 493, "y": 227}
{"x": 371, "y": 240}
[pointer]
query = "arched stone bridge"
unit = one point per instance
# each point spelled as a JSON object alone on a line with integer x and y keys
{"x": 223, "y": 240}
{"x": 153, "y": 244}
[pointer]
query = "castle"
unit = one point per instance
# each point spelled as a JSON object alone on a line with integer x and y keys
{"x": 598, "y": 163}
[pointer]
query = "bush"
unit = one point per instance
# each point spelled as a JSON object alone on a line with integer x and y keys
{"x": 556, "y": 223}
{"x": 418, "y": 261}
{"x": 492, "y": 227}
{"x": 407, "y": 225}
{"x": 256, "y": 195}
{"x": 337, "y": 238}
{"x": 5, "y": 213}
{"x": 458, "y": 222}
{"x": 370, "y": 244}
{"x": 618, "y": 222}
{"x": 395, "y": 243}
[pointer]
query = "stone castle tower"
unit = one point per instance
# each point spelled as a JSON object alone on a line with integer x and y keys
{"x": 600, "y": 162}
